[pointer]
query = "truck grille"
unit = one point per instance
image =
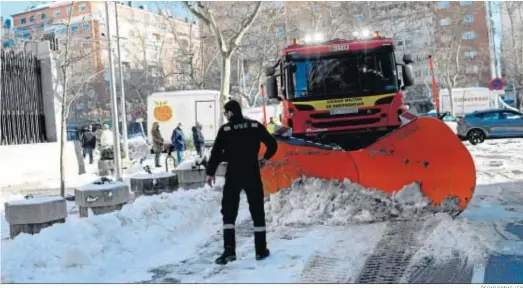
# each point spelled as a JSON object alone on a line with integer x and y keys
{"x": 364, "y": 112}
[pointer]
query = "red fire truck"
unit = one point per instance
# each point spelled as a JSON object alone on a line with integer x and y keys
{"x": 344, "y": 92}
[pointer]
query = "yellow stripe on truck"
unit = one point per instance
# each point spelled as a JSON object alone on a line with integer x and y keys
{"x": 344, "y": 102}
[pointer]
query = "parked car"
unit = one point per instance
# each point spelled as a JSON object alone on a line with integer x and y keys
{"x": 492, "y": 123}
{"x": 446, "y": 117}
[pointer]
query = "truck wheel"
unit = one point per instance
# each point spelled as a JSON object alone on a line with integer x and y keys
{"x": 476, "y": 136}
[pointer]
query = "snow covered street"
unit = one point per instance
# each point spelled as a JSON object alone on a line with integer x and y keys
{"x": 318, "y": 232}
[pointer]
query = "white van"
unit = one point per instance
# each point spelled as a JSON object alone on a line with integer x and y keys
{"x": 187, "y": 107}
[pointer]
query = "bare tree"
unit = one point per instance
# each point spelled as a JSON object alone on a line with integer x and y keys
{"x": 226, "y": 48}
{"x": 456, "y": 62}
{"x": 74, "y": 56}
{"x": 513, "y": 47}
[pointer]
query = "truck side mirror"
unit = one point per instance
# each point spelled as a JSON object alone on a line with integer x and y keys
{"x": 407, "y": 59}
{"x": 272, "y": 87}
{"x": 408, "y": 77}
{"x": 269, "y": 71}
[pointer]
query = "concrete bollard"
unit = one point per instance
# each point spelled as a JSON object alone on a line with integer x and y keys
{"x": 105, "y": 167}
{"x": 34, "y": 214}
{"x": 153, "y": 184}
{"x": 101, "y": 198}
{"x": 191, "y": 178}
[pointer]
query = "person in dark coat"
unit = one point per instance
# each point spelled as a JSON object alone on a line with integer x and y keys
{"x": 88, "y": 140}
{"x": 178, "y": 142}
{"x": 238, "y": 144}
{"x": 157, "y": 143}
{"x": 197, "y": 137}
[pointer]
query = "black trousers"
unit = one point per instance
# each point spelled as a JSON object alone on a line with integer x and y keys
{"x": 230, "y": 204}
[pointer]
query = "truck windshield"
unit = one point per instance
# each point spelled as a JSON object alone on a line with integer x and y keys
{"x": 344, "y": 75}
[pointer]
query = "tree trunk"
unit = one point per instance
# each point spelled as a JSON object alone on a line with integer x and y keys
{"x": 451, "y": 102}
{"x": 63, "y": 139}
{"x": 226, "y": 78}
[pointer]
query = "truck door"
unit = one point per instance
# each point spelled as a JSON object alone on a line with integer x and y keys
{"x": 206, "y": 115}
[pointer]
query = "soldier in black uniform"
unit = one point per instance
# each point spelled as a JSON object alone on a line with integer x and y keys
{"x": 238, "y": 144}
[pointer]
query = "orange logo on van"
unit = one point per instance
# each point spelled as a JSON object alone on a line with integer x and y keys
{"x": 162, "y": 111}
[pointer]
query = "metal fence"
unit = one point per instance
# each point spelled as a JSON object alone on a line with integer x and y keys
{"x": 21, "y": 104}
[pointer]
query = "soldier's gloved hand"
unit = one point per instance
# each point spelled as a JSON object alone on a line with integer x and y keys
{"x": 211, "y": 180}
{"x": 262, "y": 162}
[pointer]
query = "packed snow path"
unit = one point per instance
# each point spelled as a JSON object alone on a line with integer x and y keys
{"x": 174, "y": 238}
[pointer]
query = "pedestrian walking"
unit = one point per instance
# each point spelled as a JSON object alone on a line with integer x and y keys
{"x": 88, "y": 140}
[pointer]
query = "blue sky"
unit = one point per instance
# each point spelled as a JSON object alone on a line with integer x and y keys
{"x": 8, "y": 8}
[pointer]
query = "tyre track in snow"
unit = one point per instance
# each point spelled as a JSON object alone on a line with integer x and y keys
{"x": 388, "y": 262}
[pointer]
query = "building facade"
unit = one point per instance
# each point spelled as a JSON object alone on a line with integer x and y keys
{"x": 468, "y": 27}
{"x": 154, "y": 49}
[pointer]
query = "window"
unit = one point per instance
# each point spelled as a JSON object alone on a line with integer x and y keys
{"x": 85, "y": 27}
{"x": 443, "y": 4}
{"x": 510, "y": 115}
{"x": 444, "y": 22}
{"x": 472, "y": 69}
{"x": 82, "y": 7}
{"x": 469, "y": 35}
{"x": 445, "y": 38}
{"x": 22, "y": 21}
{"x": 352, "y": 74}
{"x": 399, "y": 43}
{"x": 359, "y": 18}
{"x": 43, "y": 16}
{"x": 490, "y": 116}
{"x": 74, "y": 28}
{"x": 468, "y": 19}
{"x": 465, "y": 3}
{"x": 408, "y": 43}
{"x": 470, "y": 54}
{"x": 56, "y": 13}
{"x": 32, "y": 19}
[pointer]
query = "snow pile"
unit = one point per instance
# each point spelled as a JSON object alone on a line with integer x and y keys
{"x": 116, "y": 247}
{"x": 313, "y": 201}
{"x": 461, "y": 238}
{"x": 138, "y": 148}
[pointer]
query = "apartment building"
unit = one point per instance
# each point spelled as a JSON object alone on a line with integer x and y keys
{"x": 154, "y": 48}
{"x": 470, "y": 24}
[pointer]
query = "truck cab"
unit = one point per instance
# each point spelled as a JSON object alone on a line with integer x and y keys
{"x": 340, "y": 86}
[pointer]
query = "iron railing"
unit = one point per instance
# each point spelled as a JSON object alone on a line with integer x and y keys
{"x": 22, "y": 119}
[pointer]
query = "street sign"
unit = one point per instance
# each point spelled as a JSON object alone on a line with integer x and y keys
{"x": 137, "y": 113}
{"x": 496, "y": 84}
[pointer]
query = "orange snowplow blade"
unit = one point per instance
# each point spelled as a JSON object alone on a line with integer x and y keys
{"x": 425, "y": 151}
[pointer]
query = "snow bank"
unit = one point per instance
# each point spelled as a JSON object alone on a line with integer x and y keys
{"x": 313, "y": 201}
{"x": 138, "y": 148}
{"x": 116, "y": 247}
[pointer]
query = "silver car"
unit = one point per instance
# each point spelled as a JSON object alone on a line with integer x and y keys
{"x": 493, "y": 123}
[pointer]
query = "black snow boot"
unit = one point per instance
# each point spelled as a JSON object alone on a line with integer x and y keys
{"x": 260, "y": 244}
{"x": 228, "y": 255}
{"x": 229, "y": 247}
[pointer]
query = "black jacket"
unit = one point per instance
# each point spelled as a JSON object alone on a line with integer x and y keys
{"x": 238, "y": 144}
{"x": 88, "y": 139}
{"x": 197, "y": 137}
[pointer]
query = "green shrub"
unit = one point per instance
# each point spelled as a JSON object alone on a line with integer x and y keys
{"x": 189, "y": 144}
{"x": 108, "y": 153}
